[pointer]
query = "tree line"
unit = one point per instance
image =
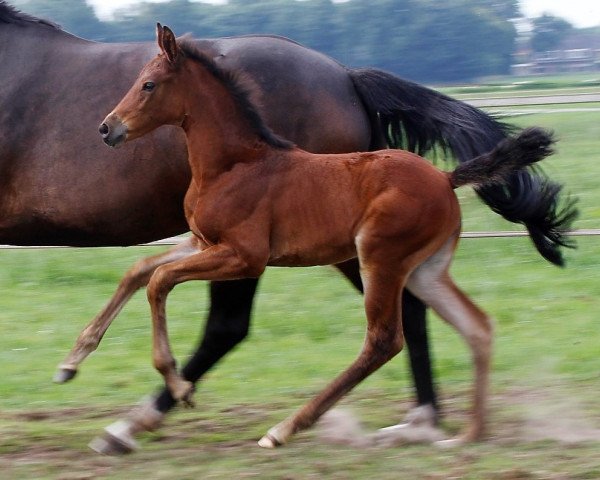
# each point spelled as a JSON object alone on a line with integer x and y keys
{"x": 424, "y": 40}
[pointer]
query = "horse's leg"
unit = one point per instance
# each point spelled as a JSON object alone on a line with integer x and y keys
{"x": 135, "y": 278}
{"x": 432, "y": 283}
{"x": 414, "y": 325}
{"x": 415, "y": 334}
{"x": 383, "y": 340}
{"x": 227, "y": 325}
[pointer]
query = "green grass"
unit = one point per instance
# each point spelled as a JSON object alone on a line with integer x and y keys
{"x": 308, "y": 325}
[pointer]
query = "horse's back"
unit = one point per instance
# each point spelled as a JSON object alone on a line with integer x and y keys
{"x": 322, "y": 111}
{"x": 60, "y": 185}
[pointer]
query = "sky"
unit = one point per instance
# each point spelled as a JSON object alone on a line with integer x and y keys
{"x": 581, "y": 13}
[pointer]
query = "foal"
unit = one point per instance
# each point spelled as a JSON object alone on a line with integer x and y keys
{"x": 255, "y": 201}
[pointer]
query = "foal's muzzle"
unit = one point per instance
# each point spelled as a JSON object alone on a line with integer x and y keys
{"x": 113, "y": 131}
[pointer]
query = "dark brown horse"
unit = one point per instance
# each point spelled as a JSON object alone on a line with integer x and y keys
{"x": 54, "y": 85}
{"x": 255, "y": 200}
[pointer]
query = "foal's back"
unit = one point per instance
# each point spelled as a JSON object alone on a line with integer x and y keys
{"x": 327, "y": 203}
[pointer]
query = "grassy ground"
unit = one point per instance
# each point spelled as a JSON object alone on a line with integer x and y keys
{"x": 308, "y": 325}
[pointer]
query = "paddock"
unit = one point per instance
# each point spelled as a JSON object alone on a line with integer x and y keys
{"x": 544, "y": 413}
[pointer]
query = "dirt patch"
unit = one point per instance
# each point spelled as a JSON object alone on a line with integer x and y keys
{"x": 222, "y": 444}
{"x": 550, "y": 414}
{"x": 519, "y": 416}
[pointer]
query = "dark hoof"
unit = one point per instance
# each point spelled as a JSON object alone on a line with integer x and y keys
{"x": 64, "y": 375}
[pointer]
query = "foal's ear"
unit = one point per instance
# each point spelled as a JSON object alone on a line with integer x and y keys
{"x": 167, "y": 43}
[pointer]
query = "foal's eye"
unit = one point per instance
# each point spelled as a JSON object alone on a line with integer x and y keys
{"x": 148, "y": 86}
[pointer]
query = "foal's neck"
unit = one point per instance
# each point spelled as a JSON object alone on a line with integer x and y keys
{"x": 218, "y": 133}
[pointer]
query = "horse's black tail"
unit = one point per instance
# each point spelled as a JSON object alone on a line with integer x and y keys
{"x": 511, "y": 154}
{"x": 418, "y": 119}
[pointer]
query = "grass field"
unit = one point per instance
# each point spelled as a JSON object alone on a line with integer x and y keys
{"x": 308, "y": 325}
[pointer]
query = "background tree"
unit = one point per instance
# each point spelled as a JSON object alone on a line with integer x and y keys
{"x": 75, "y": 16}
{"x": 424, "y": 40}
{"x": 549, "y": 32}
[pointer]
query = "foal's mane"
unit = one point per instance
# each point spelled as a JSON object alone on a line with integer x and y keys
{"x": 9, "y": 14}
{"x": 240, "y": 87}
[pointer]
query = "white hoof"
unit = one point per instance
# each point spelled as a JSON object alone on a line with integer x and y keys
{"x": 268, "y": 442}
{"x": 449, "y": 443}
{"x": 276, "y": 436}
{"x": 408, "y": 434}
{"x": 117, "y": 440}
{"x": 119, "y": 437}
{"x": 421, "y": 415}
{"x": 418, "y": 427}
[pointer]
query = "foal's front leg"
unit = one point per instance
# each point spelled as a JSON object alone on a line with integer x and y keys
{"x": 218, "y": 262}
{"x": 135, "y": 278}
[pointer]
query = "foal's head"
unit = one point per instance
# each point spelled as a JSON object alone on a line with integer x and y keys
{"x": 153, "y": 100}
{"x": 158, "y": 96}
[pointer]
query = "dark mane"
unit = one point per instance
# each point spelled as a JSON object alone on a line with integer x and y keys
{"x": 9, "y": 14}
{"x": 241, "y": 90}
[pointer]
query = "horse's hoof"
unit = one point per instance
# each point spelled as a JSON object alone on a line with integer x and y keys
{"x": 268, "y": 441}
{"x": 449, "y": 443}
{"x": 63, "y": 375}
{"x": 423, "y": 415}
{"x": 406, "y": 433}
{"x": 470, "y": 436}
{"x": 116, "y": 440}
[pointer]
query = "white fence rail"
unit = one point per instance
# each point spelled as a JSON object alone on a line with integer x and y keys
{"x": 176, "y": 240}
{"x": 533, "y": 100}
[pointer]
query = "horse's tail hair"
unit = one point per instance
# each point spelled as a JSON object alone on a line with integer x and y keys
{"x": 511, "y": 154}
{"x": 412, "y": 117}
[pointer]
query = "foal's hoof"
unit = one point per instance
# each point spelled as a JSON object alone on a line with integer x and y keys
{"x": 269, "y": 441}
{"x": 63, "y": 375}
{"x": 116, "y": 440}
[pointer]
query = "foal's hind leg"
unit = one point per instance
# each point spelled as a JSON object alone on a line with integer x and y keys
{"x": 432, "y": 283}
{"x": 384, "y": 339}
{"x": 135, "y": 278}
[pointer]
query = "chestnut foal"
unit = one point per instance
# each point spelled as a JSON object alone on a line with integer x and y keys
{"x": 256, "y": 200}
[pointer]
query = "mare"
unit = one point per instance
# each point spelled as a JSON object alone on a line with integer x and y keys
{"x": 58, "y": 186}
{"x": 255, "y": 200}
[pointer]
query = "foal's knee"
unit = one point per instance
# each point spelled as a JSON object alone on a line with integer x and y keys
{"x": 158, "y": 286}
{"x": 138, "y": 275}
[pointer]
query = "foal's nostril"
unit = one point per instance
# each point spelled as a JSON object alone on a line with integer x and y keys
{"x": 103, "y": 129}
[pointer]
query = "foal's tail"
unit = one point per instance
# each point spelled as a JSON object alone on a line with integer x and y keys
{"x": 510, "y": 155}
